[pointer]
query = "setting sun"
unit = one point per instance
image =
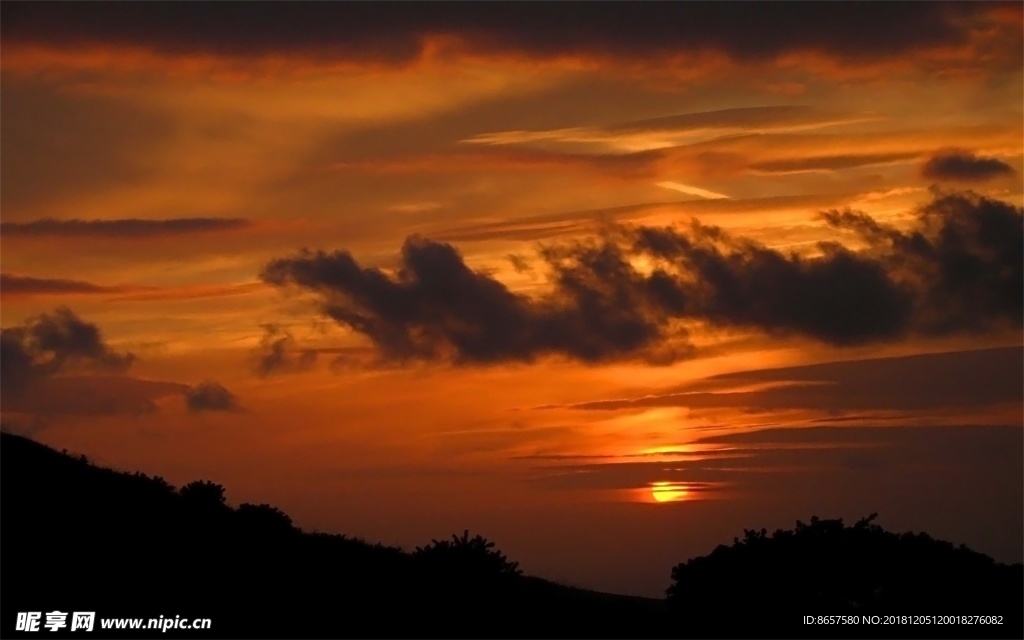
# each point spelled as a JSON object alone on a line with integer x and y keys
{"x": 669, "y": 491}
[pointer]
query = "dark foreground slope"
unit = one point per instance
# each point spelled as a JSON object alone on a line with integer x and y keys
{"x": 76, "y": 537}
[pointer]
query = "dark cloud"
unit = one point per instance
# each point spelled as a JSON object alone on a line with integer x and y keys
{"x": 959, "y": 165}
{"x": 210, "y": 396}
{"x": 59, "y": 364}
{"x": 437, "y": 307}
{"x": 958, "y": 269}
{"x": 396, "y": 33}
{"x": 963, "y": 261}
{"x": 122, "y": 228}
{"x": 278, "y": 353}
{"x": 841, "y": 297}
{"x": 54, "y": 343}
{"x": 13, "y": 284}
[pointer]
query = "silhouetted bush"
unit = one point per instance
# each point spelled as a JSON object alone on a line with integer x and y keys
{"x": 826, "y": 568}
{"x": 468, "y": 558}
{"x": 204, "y": 493}
{"x": 264, "y": 518}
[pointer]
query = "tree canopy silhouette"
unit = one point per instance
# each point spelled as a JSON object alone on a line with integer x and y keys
{"x": 204, "y": 492}
{"x": 474, "y": 557}
{"x": 826, "y": 567}
{"x": 264, "y": 518}
{"x": 81, "y": 537}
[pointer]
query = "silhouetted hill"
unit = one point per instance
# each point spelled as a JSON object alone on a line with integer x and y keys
{"x": 77, "y": 537}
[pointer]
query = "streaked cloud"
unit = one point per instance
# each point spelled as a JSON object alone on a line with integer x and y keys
{"x": 185, "y": 292}
{"x": 900, "y": 383}
{"x": 122, "y": 228}
{"x": 18, "y": 285}
{"x": 22, "y": 286}
{"x": 681, "y": 129}
{"x": 589, "y": 221}
{"x": 691, "y": 190}
{"x": 760, "y": 119}
{"x": 770, "y": 455}
{"x": 881, "y": 466}
{"x": 830, "y": 163}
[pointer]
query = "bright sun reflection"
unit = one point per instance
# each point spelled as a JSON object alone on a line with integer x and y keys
{"x": 669, "y": 491}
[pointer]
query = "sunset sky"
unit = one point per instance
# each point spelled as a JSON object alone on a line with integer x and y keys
{"x": 606, "y": 283}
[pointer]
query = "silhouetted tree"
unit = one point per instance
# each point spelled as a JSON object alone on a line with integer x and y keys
{"x": 467, "y": 556}
{"x": 125, "y": 524}
{"x": 158, "y": 483}
{"x": 264, "y": 518}
{"x": 204, "y": 493}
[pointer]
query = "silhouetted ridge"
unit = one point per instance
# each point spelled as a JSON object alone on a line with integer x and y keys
{"x": 83, "y": 538}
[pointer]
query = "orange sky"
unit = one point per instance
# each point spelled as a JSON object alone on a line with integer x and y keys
{"x": 155, "y": 172}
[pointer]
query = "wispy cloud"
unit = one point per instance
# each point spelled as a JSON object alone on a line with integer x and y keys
{"x": 18, "y": 285}
{"x": 691, "y": 190}
{"x": 914, "y": 383}
{"x": 122, "y": 228}
{"x": 22, "y": 286}
{"x": 831, "y": 163}
{"x": 680, "y": 129}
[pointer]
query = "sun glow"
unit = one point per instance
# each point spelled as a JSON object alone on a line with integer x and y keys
{"x": 669, "y": 491}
